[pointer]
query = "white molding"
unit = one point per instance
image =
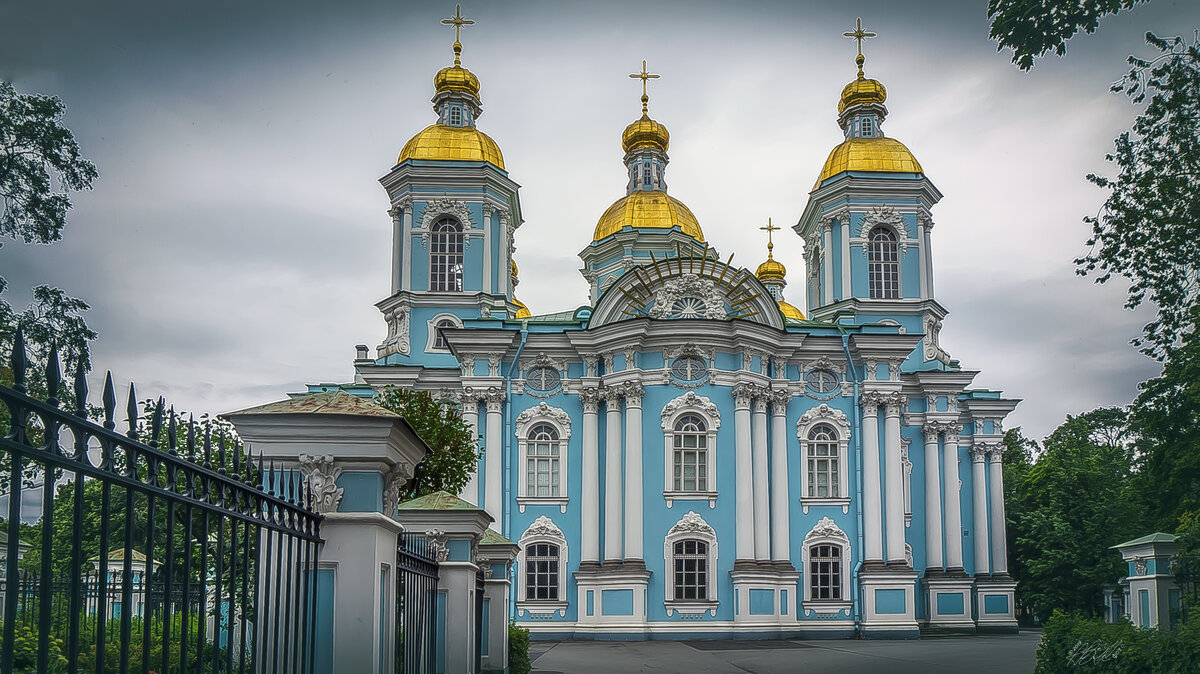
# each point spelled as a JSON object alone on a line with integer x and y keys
{"x": 542, "y": 530}
{"x": 690, "y": 403}
{"x": 824, "y": 414}
{"x": 690, "y": 527}
{"x": 431, "y": 335}
{"x": 826, "y": 531}
{"x": 558, "y": 419}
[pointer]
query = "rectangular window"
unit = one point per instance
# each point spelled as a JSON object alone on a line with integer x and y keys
{"x": 691, "y": 462}
{"x": 825, "y": 572}
{"x": 456, "y": 117}
{"x": 541, "y": 572}
{"x": 823, "y": 470}
{"x": 868, "y": 127}
{"x": 543, "y": 468}
{"x": 646, "y": 175}
{"x": 691, "y": 570}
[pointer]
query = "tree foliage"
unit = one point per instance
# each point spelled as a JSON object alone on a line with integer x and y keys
{"x": 1031, "y": 28}
{"x": 453, "y": 451}
{"x": 39, "y": 164}
{"x": 1148, "y": 230}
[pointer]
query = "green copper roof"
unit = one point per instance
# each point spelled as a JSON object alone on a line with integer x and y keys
{"x": 438, "y": 500}
{"x": 490, "y": 537}
{"x": 328, "y": 402}
{"x": 1156, "y": 537}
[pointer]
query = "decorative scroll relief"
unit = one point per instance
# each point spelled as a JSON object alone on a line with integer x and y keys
{"x": 542, "y": 411}
{"x": 397, "y": 340}
{"x": 824, "y": 363}
{"x": 692, "y": 526}
{"x": 542, "y": 360}
{"x": 322, "y": 473}
{"x": 689, "y": 296}
{"x": 883, "y": 216}
{"x": 393, "y": 482}
{"x": 826, "y": 529}
{"x": 442, "y": 207}
{"x": 437, "y": 544}
{"x": 826, "y": 413}
{"x": 933, "y": 350}
{"x": 908, "y": 468}
{"x": 691, "y": 401}
{"x": 543, "y": 527}
{"x": 692, "y": 523}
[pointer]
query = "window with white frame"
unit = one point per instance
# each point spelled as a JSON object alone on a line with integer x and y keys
{"x": 542, "y": 434}
{"x": 883, "y": 264}
{"x": 446, "y": 255}
{"x": 436, "y": 342}
{"x": 689, "y": 368}
{"x": 824, "y": 435}
{"x": 690, "y": 551}
{"x": 456, "y": 116}
{"x": 868, "y": 127}
{"x": 646, "y": 174}
{"x": 542, "y": 569}
{"x": 826, "y": 565}
{"x": 821, "y": 382}
{"x": 542, "y": 379}
{"x": 690, "y": 424}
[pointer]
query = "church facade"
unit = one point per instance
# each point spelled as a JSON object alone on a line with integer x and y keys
{"x": 689, "y": 455}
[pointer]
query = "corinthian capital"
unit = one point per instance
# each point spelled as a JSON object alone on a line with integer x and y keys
{"x": 494, "y": 398}
{"x": 743, "y": 394}
{"x": 633, "y": 392}
{"x": 895, "y": 403}
{"x": 590, "y": 399}
{"x": 871, "y": 400}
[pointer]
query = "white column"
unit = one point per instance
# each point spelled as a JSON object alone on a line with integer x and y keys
{"x": 827, "y": 256}
{"x": 846, "y": 257}
{"x": 406, "y": 247}
{"x": 871, "y": 504}
{"x": 612, "y": 478}
{"x": 927, "y": 263}
{"x": 633, "y": 472}
{"x": 762, "y": 513}
{"x": 895, "y": 481}
{"x": 781, "y": 547}
{"x": 589, "y": 508}
{"x": 743, "y": 497}
{"x": 933, "y": 499}
{"x": 924, "y": 267}
{"x": 979, "y": 488}
{"x": 954, "y": 555}
{"x": 489, "y": 231}
{"x": 469, "y": 410}
{"x": 999, "y": 536}
{"x": 493, "y": 486}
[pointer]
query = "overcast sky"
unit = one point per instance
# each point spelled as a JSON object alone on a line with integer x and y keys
{"x": 237, "y": 239}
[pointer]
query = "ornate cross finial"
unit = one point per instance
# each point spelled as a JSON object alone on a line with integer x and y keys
{"x": 770, "y": 229}
{"x": 644, "y": 76}
{"x": 859, "y": 35}
{"x": 458, "y": 22}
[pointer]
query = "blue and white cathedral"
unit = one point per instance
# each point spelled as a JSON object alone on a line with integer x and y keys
{"x": 689, "y": 455}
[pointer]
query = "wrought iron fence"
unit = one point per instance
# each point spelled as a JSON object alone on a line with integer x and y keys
{"x": 160, "y": 553}
{"x": 416, "y": 604}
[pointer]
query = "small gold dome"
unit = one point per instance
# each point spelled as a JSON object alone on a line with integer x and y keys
{"x": 457, "y": 78}
{"x": 512, "y": 265}
{"x": 884, "y": 155}
{"x": 648, "y": 209}
{"x": 454, "y": 143}
{"x": 645, "y": 132}
{"x": 790, "y": 311}
{"x": 862, "y": 91}
{"x": 771, "y": 270}
{"x": 522, "y": 310}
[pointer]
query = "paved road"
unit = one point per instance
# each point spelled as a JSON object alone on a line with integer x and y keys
{"x": 1000, "y": 654}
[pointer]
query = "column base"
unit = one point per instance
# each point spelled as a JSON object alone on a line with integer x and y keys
{"x": 947, "y": 603}
{"x": 889, "y": 606}
{"x": 612, "y": 600}
{"x": 995, "y": 610}
{"x": 764, "y": 594}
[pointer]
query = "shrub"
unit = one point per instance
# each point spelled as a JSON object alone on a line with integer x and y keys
{"x": 1076, "y": 645}
{"x": 518, "y": 649}
{"x": 25, "y": 650}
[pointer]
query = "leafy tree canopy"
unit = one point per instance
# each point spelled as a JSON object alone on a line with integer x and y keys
{"x": 1031, "y": 28}
{"x": 453, "y": 451}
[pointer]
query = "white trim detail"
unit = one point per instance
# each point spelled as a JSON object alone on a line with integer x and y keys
{"x": 431, "y": 337}
{"x": 826, "y": 532}
{"x": 824, "y": 414}
{"x": 690, "y": 527}
{"x": 560, "y": 421}
{"x": 542, "y": 530}
{"x": 690, "y": 403}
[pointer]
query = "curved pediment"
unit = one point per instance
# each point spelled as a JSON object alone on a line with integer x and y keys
{"x": 687, "y": 287}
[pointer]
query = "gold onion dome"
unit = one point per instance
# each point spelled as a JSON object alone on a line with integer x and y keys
{"x": 862, "y": 91}
{"x": 512, "y": 265}
{"x": 645, "y": 132}
{"x": 790, "y": 311}
{"x": 648, "y": 210}
{"x": 771, "y": 270}
{"x": 522, "y": 310}
{"x": 884, "y": 155}
{"x": 452, "y": 143}
{"x": 456, "y": 78}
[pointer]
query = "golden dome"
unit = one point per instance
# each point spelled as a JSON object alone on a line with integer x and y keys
{"x": 512, "y": 265}
{"x": 522, "y": 310}
{"x": 648, "y": 209}
{"x": 771, "y": 270}
{"x": 862, "y": 91}
{"x": 790, "y": 311}
{"x": 454, "y": 143}
{"x": 884, "y": 155}
{"x": 456, "y": 78}
{"x": 645, "y": 132}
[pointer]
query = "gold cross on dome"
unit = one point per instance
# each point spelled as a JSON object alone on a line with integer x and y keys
{"x": 770, "y": 229}
{"x": 859, "y": 35}
{"x": 458, "y": 22}
{"x": 644, "y": 76}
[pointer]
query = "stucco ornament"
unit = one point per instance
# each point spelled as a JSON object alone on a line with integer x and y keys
{"x": 884, "y": 216}
{"x": 397, "y": 340}
{"x": 689, "y": 296}
{"x": 691, "y": 401}
{"x": 543, "y": 411}
{"x": 321, "y": 473}
{"x": 543, "y": 527}
{"x": 825, "y": 413}
{"x": 826, "y": 528}
{"x": 437, "y": 544}
{"x": 441, "y": 207}
{"x": 692, "y": 523}
{"x": 394, "y": 481}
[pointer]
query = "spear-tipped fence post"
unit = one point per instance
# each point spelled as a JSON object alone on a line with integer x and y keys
{"x": 53, "y": 376}
{"x": 19, "y": 361}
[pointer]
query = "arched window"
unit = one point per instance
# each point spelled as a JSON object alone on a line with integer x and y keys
{"x": 446, "y": 255}
{"x": 542, "y": 435}
{"x": 883, "y": 264}
{"x": 541, "y": 572}
{"x": 541, "y": 462}
{"x": 690, "y": 551}
{"x": 439, "y": 340}
{"x": 825, "y": 572}
{"x": 826, "y": 563}
{"x": 541, "y": 579}
{"x": 690, "y": 453}
{"x": 823, "y": 459}
{"x": 436, "y": 340}
{"x": 456, "y": 116}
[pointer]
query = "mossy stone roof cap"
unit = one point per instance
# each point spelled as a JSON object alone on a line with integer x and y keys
{"x": 1156, "y": 537}
{"x": 490, "y": 537}
{"x": 438, "y": 500}
{"x": 327, "y": 402}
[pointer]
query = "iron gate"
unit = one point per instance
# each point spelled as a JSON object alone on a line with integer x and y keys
{"x": 416, "y": 604}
